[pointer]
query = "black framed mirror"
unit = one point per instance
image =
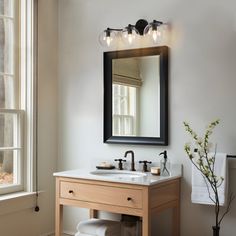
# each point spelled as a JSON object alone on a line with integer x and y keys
{"x": 136, "y": 96}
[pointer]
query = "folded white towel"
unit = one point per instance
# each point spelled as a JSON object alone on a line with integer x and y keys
{"x": 99, "y": 227}
{"x": 199, "y": 189}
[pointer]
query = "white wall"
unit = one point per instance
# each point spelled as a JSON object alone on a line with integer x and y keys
{"x": 202, "y": 87}
{"x": 150, "y": 97}
{"x": 27, "y": 222}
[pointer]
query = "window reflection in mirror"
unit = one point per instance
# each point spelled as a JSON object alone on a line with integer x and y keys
{"x": 136, "y": 92}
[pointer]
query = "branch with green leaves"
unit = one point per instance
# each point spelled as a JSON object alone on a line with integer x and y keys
{"x": 200, "y": 156}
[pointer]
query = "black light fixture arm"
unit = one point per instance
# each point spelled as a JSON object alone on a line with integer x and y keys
{"x": 139, "y": 26}
{"x": 130, "y": 28}
{"x": 109, "y": 30}
{"x": 113, "y": 29}
{"x": 155, "y": 24}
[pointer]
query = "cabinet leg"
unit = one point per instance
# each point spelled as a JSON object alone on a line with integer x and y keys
{"x": 176, "y": 221}
{"x": 58, "y": 219}
{"x": 146, "y": 226}
{"x": 93, "y": 213}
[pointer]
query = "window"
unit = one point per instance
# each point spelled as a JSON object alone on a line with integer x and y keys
{"x": 16, "y": 80}
{"x": 124, "y": 110}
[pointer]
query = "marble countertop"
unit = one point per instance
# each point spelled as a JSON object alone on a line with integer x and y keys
{"x": 147, "y": 179}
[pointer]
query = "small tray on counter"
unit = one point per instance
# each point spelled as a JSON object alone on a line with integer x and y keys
{"x": 105, "y": 167}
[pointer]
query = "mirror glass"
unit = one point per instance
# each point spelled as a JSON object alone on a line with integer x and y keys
{"x": 135, "y": 96}
{"x": 135, "y": 92}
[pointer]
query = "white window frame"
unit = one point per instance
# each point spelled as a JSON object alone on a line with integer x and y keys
{"x": 18, "y": 159}
{"x": 27, "y": 99}
{"x": 123, "y": 119}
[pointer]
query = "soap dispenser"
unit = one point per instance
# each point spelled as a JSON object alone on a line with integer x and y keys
{"x": 164, "y": 164}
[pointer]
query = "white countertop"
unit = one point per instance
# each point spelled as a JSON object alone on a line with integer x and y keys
{"x": 148, "y": 179}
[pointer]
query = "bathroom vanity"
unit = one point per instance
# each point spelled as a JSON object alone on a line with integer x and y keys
{"x": 123, "y": 192}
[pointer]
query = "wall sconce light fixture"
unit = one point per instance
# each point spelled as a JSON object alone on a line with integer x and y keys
{"x": 153, "y": 30}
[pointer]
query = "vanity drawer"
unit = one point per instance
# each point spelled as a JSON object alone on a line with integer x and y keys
{"x": 109, "y": 195}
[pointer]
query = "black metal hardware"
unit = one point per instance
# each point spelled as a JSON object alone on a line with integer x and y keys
{"x": 145, "y": 169}
{"x": 140, "y": 25}
{"x": 129, "y": 198}
{"x": 71, "y": 191}
{"x": 120, "y": 165}
{"x": 164, "y": 167}
{"x": 164, "y": 153}
{"x": 155, "y": 24}
{"x": 36, "y": 209}
{"x": 132, "y": 159}
{"x": 231, "y": 156}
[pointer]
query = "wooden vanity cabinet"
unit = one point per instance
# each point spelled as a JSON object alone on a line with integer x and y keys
{"x": 138, "y": 200}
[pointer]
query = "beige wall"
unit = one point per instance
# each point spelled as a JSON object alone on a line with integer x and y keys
{"x": 47, "y": 111}
{"x": 202, "y": 87}
{"x": 27, "y": 222}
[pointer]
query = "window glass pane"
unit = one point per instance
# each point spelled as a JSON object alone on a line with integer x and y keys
{"x": 132, "y": 101}
{"x": 7, "y": 98}
{"x": 124, "y": 110}
{"x": 6, "y": 46}
{"x": 6, "y": 7}
{"x": 1, "y": 7}
{"x": 8, "y": 130}
{"x": 11, "y": 123}
{"x": 116, "y": 99}
{"x": 8, "y": 167}
{"x": 2, "y": 43}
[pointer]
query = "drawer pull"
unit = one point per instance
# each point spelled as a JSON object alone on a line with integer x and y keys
{"x": 71, "y": 191}
{"x": 129, "y": 198}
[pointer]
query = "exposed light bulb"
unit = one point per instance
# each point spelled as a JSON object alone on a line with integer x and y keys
{"x": 154, "y": 31}
{"x": 108, "y": 41}
{"x": 130, "y": 38}
{"x": 107, "y": 38}
{"x": 129, "y": 35}
{"x": 156, "y": 35}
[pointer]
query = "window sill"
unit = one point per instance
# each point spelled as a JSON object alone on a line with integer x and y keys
{"x": 14, "y": 202}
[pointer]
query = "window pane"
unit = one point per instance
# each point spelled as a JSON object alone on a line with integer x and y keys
{"x": 11, "y": 122}
{"x": 8, "y": 130}
{"x": 128, "y": 125}
{"x": 6, "y": 46}
{"x": 8, "y": 167}
{"x": 124, "y": 110}
{"x": 2, "y": 43}
{"x": 6, "y": 7}
{"x": 7, "y": 98}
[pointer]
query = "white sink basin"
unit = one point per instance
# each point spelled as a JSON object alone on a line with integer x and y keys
{"x": 118, "y": 174}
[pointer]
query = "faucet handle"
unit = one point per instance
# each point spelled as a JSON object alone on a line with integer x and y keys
{"x": 145, "y": 165}
{"x": 120, "y": 165}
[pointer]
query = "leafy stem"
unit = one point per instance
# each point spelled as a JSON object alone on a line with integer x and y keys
{"x": 201, "y": 158}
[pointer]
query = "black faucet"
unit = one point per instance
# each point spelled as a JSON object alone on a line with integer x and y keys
{"x": 132, "y": 159}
